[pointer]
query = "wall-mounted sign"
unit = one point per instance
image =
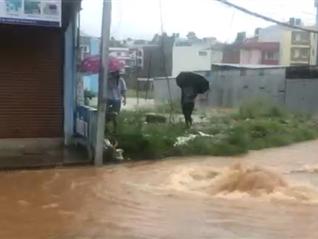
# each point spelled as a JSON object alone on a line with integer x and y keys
{"x": 31, "y": 12}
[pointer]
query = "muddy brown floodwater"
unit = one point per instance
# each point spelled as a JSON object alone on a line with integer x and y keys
{"x": 264, "y": 195}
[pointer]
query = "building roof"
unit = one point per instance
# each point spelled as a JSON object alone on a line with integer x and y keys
{"x": 246, "y": 66}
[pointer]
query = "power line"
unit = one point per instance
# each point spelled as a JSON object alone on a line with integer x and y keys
{"x": 164, "y": 59}
{"x": 269, "y": 19}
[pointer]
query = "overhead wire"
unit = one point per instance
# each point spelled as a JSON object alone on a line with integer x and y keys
{"x": 269, "y": 19}
{"x": 164, "y": 63}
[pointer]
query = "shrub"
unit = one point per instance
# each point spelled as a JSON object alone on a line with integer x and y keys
{"x": 255, "y": 126}
{"x": 259, "y": 109}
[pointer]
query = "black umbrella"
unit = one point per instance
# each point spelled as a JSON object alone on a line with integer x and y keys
{"x": 190, "y": 79}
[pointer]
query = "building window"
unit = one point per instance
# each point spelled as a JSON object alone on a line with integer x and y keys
{"x": 269, "y": 56}
{"x": 203, "y": 53}
{"x": 301, "y": 38}
{"x": 85, "y": 50}
{"x": 300, "y": 54}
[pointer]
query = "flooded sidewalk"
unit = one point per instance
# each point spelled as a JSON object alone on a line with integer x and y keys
{"x": 42, "y": 153}
{"x": 268, "y": 194}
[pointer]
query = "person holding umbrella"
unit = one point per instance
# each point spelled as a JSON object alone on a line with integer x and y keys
{"x": 116, "y": 90}
{"x": 191, "y": 85}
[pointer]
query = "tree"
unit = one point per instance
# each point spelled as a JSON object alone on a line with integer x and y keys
{"x": 156, "y": 38}
{"x": 192, "y": 36}
{"x": 115, "y": 43}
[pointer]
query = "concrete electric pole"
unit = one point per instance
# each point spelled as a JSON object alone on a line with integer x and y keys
{"x": 103, "y": 77}
{"x": 316, "y": 6}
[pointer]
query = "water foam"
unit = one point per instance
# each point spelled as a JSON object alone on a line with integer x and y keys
{"x": 240, "y": 181}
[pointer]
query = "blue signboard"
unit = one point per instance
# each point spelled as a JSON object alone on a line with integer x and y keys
{"x": 31, "y": 12}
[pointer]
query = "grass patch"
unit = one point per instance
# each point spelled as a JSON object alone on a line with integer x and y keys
{"x": 253, "y": 126}
{"x": 141, "y": 140}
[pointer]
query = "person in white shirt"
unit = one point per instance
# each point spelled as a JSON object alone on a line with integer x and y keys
{"x": 116, "y": 88}
{"x": 116, "y": 92}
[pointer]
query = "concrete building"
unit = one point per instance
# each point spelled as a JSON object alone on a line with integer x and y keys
{"x": 189, "y": 55}
{"x": 251, "y": 51}
{"x": 38, "y": 76}
{"x": 129, "y": 57}
{"x": 296, "y": 47}
{"x": 89, "y": 46}
{"x": 259, "y": 53}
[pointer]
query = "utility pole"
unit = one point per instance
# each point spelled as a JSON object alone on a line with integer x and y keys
{"x": 316, "y": 6}
{"x": 103, "y": 77}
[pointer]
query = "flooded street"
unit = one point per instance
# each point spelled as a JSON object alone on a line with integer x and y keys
{"x": 269, "y": 194}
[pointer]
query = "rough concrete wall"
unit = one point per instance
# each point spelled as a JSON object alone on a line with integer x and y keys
{"x": 161, "y": 92}
{"x": 232, "y": 88}
{"x": 301, "y": 95}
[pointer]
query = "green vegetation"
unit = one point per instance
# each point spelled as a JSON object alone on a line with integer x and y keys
{"x": 253, "y": 126}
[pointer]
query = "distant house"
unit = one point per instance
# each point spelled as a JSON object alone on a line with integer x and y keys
{"x": 262, "y": 53}
{"x": 129, "y": 57}
{"x": 251, "y": 51}
{"x": 90, "y": 46}
{"x": 274, "y": 45}
{"x": 296, "y": 47}
{"x": 194, "y": 55}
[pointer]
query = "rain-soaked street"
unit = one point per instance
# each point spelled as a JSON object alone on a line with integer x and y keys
{"x": 269, "y": 194}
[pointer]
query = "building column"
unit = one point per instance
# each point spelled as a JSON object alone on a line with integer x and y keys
{"x": 69, "y": 82}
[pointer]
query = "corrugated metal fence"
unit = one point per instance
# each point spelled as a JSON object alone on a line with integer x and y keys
{"x": 294, "y": 87}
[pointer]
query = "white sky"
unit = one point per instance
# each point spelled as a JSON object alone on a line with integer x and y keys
{"x": 141, "y": 18}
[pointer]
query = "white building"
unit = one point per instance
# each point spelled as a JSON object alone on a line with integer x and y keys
{"x": 194, "y": 56}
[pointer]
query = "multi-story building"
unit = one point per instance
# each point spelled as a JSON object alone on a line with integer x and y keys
{"x": 296, "y": 47}
{"x": 129, "y": 57}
